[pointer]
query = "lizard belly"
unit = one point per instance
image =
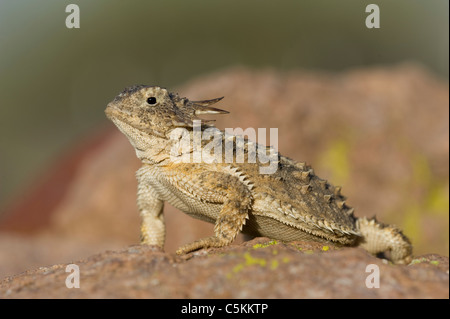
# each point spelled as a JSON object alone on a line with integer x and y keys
{"x": 260, "y": 225}
{"x": 187, "y": 203}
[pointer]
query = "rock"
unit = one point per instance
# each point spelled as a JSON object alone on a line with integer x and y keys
{"x": 260, "y": 268}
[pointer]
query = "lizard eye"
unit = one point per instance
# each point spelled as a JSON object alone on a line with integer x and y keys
{"x": 151, "y": 100}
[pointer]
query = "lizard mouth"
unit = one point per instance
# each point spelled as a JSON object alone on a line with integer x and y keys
{"x": 118, "y": 115}
{"x": 115, "y": 113}
{"x": 125, "y": 120}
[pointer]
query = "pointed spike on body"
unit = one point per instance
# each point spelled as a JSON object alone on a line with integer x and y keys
{"x": 341, "y": 204}
{"x": 300, "y": 165}
{"x": 323, "y": 184}
{"x": 305, "y": 176}
{"x": 209, "y": 122}
{"x": 337, "y": 191}
{"x": 297, "y": 174}
{"x": 328, "y": 226}
{"x": 327, "y": 198}
{"x": 305, "y": 189}
{"x": 230, "y": 137}
{"x": 182, "y": 124}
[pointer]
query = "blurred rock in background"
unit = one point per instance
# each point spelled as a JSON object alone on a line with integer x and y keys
{"x": 381, "y": 132}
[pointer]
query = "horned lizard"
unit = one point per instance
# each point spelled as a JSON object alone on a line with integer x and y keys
{"x": 290, "y": 204}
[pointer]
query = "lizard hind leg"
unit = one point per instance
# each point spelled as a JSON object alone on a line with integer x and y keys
{"x": 237, "y": 201}
{"x": 378, "y": 238}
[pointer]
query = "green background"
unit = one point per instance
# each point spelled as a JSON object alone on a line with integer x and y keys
{"x": 55, "y": 82}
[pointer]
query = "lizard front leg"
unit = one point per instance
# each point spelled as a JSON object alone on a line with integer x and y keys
{"x": 237, "y": 200}
{"x": 153, "y": 229}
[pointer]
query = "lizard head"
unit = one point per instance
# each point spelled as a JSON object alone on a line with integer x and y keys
{"x": 152, "y": 110}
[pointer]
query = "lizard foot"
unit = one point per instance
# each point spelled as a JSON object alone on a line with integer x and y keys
{"x": 202, "y": 243}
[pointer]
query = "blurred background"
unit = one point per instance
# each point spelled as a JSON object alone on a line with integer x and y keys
{"x": 55, "y": 82}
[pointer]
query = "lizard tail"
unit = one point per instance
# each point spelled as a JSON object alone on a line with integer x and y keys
{"x": 378, "y": 237}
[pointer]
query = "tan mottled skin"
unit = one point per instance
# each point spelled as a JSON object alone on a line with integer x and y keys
{"x": 291, "y": 204}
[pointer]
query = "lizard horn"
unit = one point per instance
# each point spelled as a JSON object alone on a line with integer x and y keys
{"x": 202, "y": 107}
{"x": 207, "y": 102}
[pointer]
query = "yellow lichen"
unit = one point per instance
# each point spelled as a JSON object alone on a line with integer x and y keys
{"x": 270, "y": 243}
{"x": 237, "y": 268}
{"x": 274, "y": 264}
{"x": 417, "y": 261}
{"x": 250, "y": 260}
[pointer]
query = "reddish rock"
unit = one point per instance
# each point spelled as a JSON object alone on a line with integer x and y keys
{"x": 260, "y": 268}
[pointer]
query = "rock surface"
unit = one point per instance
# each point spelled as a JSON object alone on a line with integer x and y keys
{"x": 260, "y": 268}
{"x": 382, "y": 133}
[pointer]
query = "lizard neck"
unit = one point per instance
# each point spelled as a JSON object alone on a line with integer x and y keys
{"x": 153, "y": 150}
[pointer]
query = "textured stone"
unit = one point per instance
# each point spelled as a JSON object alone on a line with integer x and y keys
{"x": 260, "y": 268}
